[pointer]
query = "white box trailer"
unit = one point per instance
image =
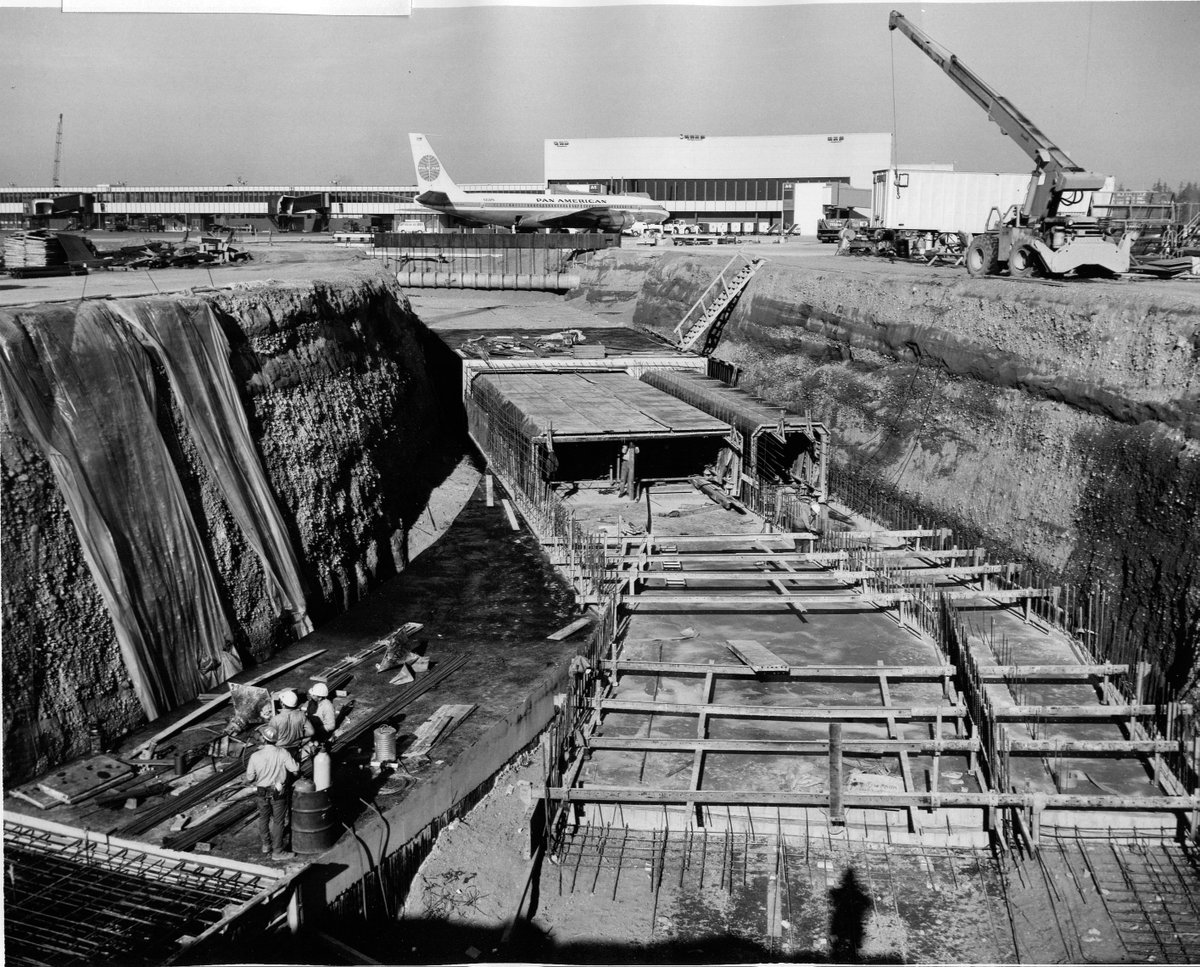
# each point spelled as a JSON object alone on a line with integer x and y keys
{"x": 912, "y": 200}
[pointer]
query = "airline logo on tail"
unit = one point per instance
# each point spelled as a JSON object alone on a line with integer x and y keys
{"x": 431, "y": 176}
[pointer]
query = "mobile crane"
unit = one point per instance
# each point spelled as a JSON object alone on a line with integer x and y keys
{"x": 1035, "y": 239}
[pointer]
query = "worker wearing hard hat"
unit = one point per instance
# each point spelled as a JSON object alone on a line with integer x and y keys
{"x": 292, "y": 723}
{"x": 321, "y": 713}
{"x": 270, "y": 770}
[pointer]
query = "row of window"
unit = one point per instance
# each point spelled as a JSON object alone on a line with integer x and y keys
{"x": 711, "y": 189}
{"x": 244, "y": 195}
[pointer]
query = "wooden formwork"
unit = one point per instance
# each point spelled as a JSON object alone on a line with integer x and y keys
{"x": 982, "y": 717}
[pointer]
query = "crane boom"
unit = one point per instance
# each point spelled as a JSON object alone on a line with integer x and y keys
{"x": 1056, "y": 174}
{"x": 54, "y": 181}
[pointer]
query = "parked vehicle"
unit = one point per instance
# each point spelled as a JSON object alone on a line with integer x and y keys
{"x": 834, "y": 221}
{"x": 915, "y": 201}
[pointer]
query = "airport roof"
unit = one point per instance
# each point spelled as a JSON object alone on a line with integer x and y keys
{"x": 579, "y": 407}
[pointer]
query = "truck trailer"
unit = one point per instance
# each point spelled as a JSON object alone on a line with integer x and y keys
{"x": 914, "y": 201}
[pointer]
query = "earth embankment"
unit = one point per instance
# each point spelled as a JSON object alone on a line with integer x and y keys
{"x": 333, "y": 380}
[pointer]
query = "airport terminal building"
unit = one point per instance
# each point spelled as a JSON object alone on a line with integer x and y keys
{"x": 739, "y": 184}
{"x": 732, "y": 183}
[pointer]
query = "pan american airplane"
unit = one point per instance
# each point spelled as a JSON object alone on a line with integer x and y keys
{"x": 527, "y": 212}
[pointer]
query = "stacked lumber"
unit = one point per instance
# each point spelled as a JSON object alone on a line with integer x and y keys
{"x": 33, "y": 250}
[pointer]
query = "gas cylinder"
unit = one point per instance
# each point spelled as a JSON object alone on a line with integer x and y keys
{"x": 322, "y": 770}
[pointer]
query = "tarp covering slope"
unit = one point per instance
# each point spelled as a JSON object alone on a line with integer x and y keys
{"x": 187, "y": 337}
{"x": 81, "y": 388}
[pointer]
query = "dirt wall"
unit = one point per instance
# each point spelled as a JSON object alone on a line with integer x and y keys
{"x": 334, "y": 383}
{"x": 1064, "y": 420}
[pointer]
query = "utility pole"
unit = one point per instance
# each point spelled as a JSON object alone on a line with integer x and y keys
{"x": 57, "y": 155}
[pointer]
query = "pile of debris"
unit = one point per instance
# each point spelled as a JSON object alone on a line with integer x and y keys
{"x": 539, "y": 345}
{"x": 163, "y": 255}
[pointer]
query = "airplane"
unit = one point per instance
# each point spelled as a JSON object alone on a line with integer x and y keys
{"x": 527, "y": 212}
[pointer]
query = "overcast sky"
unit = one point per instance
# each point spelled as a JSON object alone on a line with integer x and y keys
{"x": 204, "y": 99}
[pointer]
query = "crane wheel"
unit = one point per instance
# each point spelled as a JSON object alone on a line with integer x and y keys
{"x": 982, "y": 258}
{"x": 1023, "y": 263}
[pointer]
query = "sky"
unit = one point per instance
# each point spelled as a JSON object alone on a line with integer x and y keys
{"x": 186, "y": 99}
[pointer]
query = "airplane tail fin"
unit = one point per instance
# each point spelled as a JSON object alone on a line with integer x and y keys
{"x": 431, "y": 176}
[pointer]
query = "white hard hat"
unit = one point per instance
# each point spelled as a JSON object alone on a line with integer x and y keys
{"x": 320, "y": 690}
{"x": 290, "y": 699}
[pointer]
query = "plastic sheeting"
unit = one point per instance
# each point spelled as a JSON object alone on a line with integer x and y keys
{"x": 187, "y": 336}
{"x": 82, "y": 389}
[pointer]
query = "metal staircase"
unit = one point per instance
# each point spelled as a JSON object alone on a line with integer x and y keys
{"x": 701, "y": 326}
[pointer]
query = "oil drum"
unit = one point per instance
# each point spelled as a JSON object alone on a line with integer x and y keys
{"x": 312, "y": 819}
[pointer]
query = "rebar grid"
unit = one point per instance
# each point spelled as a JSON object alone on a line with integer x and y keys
{"x": 70, "y": 900}
{"x": 803, "y": 871}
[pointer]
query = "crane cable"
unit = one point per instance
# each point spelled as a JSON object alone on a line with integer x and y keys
{"x": 892, "y": 46}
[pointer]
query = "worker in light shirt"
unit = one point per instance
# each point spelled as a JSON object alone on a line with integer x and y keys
{"x": 321, "y": 713}
{"x": 270, "y": 770}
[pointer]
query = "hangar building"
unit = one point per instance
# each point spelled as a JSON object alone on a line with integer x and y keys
{"x": 732, "y": 183}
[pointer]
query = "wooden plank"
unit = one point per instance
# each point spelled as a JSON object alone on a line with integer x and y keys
{"x": 568, "y": 630}
{"x": 1049, "y": 673}
{"x": 782, "y": 746}
{"x": 760, "y": 658}
{"x": 1071, "y": 711}
{"x": 745, "y": 577}
{"x": 856, "y": 601}
{"x": 923, "y": 673}
{"x": 512, "y": 515}
{"x": 1006, "y": 596}
{"x": 801, "y": 713}
{"x": 146, "y": 749}
{"x": 933, "y": 573}
{"x": 758, "y": 558}
{"x": 1090, "y": 746}
{"x": 31, "y": 794}
{"x": 900, "y": 534}
{"x": 491, "y": 490}
{"x": 439, "y": 725}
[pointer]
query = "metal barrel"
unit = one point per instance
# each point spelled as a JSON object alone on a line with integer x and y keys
{"x": 385, "y": 744}
{"x": 312, "y": 819}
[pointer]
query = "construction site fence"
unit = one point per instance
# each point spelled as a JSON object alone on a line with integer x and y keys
{"x": 457, "y": 241}
{"x": 489, "y": 256}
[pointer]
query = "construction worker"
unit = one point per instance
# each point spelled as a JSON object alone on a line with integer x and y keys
{"x": 270, "y": 770}
{"x": 292, "y": 724}
{"x": 321, "y": 713}
{"x": 627, "y": 470}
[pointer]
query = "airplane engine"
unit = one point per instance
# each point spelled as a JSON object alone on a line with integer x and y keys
{"x": 618, "y": 221}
